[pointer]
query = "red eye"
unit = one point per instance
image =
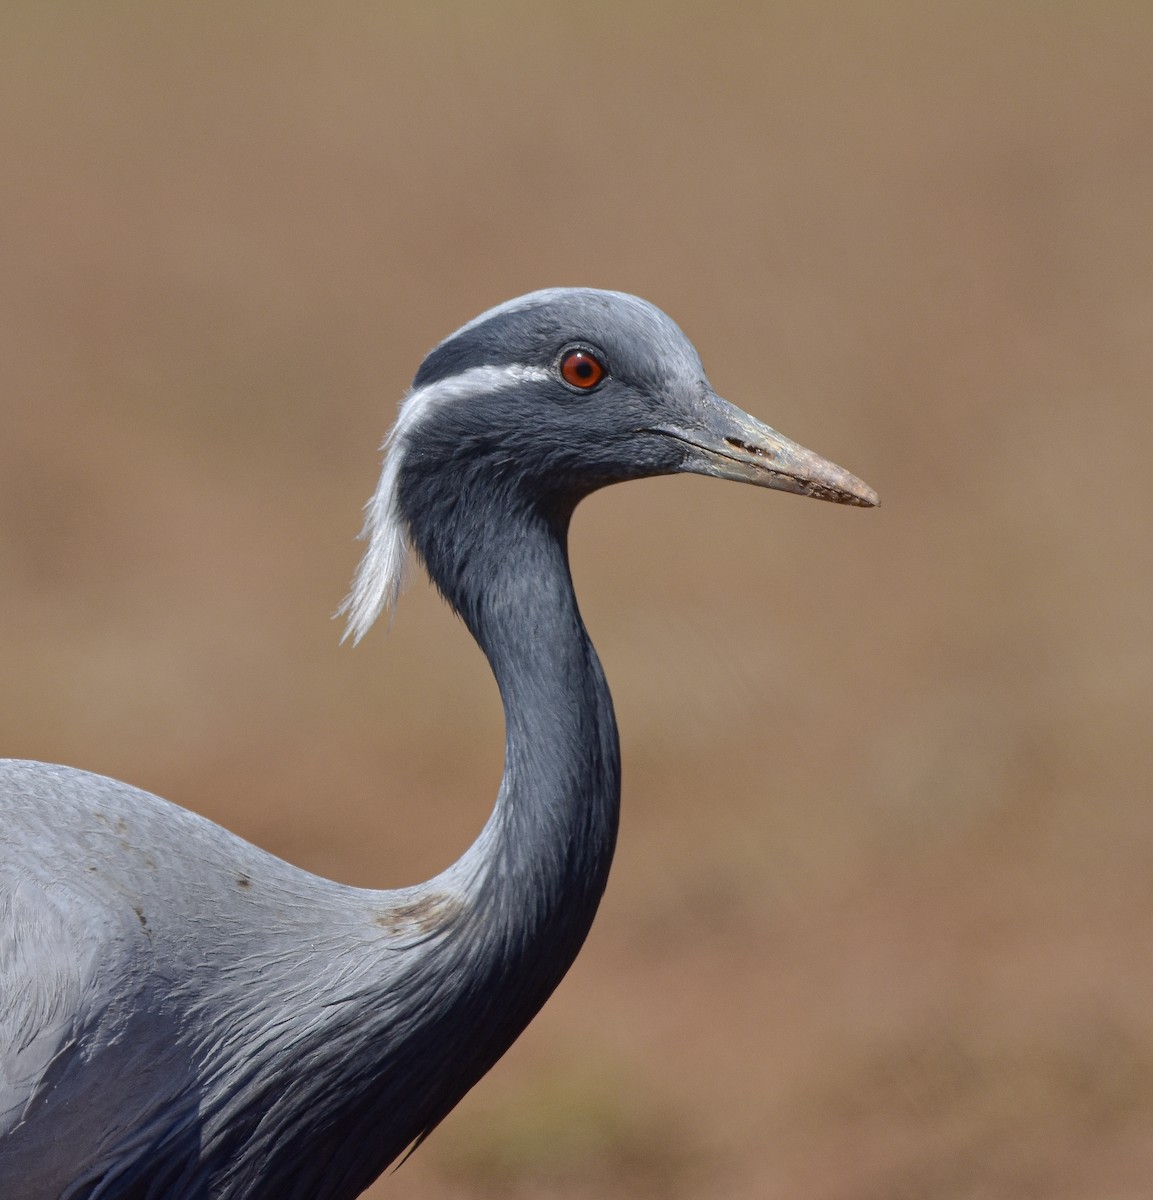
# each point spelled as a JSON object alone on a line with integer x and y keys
{"x": 581, "y": 369}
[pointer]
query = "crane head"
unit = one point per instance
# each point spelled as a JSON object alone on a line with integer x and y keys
{"x": 548, "y": 397}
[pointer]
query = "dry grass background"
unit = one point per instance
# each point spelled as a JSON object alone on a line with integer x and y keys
{"x": 880, "y": 922}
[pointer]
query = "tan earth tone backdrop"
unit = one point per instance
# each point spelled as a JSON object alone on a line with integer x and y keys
{"x": 880, "y": 922}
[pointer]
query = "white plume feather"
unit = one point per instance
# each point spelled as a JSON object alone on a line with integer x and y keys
{"x": 380, "y": 575}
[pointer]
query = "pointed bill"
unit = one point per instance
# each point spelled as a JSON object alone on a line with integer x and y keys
{"x": 729, "y": 444}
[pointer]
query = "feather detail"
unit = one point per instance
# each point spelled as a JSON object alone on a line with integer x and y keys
{"x": 381, "y": 573}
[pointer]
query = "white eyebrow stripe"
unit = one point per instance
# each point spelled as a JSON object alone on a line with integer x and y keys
{"x": 380, "y": 575}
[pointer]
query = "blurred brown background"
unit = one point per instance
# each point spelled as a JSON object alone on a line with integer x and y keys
{"x": 880, "y": 922}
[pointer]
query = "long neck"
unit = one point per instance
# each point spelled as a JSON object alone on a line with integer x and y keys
{"x": 530, "y": 885}
{"x": 537, "y": 872}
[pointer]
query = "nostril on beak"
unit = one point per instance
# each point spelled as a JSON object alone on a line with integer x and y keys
{"x": 757, "y": 451}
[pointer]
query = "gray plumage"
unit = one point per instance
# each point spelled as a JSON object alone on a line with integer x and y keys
{"x": 187, "y": 1017}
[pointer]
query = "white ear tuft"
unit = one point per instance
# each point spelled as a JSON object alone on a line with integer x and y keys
{"x": 380, "y": 575}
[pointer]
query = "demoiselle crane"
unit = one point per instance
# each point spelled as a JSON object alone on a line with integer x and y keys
{"x": 186, "y": 1017}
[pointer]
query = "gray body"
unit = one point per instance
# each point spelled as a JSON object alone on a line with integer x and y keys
{"x": 187, "y": 1017}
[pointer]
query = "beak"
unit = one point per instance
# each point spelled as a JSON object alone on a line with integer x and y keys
{"x": 730, "y": 444}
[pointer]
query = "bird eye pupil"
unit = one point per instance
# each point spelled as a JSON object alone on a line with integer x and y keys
{"x": 582, "y": 369}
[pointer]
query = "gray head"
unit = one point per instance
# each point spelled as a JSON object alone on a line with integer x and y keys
{"x": 549, "y": 397}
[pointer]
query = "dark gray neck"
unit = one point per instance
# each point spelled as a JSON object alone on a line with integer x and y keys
{"x": 531, "y": 883}
{"x": 540, "y": 866}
